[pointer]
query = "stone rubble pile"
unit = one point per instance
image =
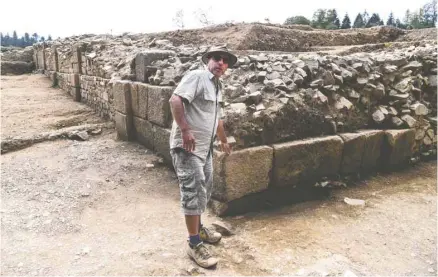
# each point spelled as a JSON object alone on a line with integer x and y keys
{"x": 274, "y": 97}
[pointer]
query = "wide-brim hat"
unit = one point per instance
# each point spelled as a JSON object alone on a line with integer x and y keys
{"x": 221, "y": 50}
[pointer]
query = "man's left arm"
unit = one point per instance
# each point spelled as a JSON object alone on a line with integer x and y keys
{"x": 225, "y": 147}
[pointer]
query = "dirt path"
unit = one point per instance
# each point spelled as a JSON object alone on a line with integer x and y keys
{"x": 95, "y": 208}
{"x": 31, "y": 106}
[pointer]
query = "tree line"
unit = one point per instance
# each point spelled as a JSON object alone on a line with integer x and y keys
{"x": 425, "y": 17}
{"x": 24, "y": 41}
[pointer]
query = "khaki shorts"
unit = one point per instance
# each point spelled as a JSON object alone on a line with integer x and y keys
{"x": 195, "y": 178}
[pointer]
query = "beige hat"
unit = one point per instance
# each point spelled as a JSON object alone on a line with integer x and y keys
{"x": 219, "y": 50}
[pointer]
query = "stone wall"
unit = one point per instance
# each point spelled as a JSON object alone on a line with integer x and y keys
{"x": 296, "y": 118}
{"x": 97, "y": 93}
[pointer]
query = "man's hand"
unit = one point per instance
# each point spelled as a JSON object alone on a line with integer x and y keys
{"x": 188, "y": 140}
{"x": 225, "y": 147}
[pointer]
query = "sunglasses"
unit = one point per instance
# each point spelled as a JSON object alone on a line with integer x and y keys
{"x": 217, "y": 58}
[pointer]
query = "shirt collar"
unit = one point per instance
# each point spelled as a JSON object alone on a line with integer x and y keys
{"x": 210, "y": 75}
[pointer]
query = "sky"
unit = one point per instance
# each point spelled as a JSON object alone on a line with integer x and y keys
{"x": 66, "y": 18}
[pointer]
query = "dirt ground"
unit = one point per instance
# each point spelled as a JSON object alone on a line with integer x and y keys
{"x": 96, "y": 208}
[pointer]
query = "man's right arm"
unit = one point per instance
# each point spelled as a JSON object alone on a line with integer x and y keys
{"x": 177, "y": 108}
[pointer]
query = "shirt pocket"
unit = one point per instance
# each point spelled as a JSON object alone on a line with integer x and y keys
{"x": 207, "y": 102}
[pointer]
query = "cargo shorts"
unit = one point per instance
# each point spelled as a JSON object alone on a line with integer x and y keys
{"x": 195, "y": 177}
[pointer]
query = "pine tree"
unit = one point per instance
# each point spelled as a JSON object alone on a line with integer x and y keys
{"x": 407, "y": 19}
{"x": 391, "y": 20}
{"x": 346, "y": 23}
{"x": 42, "y": 39}
{"x": 7, "y": 39}
{"x": 358, "y": 22}
{"x": 49, "y": 38}
{"x": 27, "y": 41}
{"x": 399, "y": 24}
{"x": 14, "y": 39}
{"x": 35, "y": 37}
{"x": 373, "y": 21}
{"x": 332, "y": 20}
{"x": 365, "y": 17}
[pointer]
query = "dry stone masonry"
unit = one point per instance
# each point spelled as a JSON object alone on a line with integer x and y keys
{"x": 295, "y": 118}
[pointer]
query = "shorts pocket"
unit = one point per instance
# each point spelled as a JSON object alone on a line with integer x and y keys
{"x": 188, "y": 189}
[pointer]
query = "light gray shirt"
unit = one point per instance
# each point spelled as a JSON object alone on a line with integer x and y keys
{"x": 202, "y": 110}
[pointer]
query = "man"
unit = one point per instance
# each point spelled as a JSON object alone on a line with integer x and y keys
{"x": 196, "y": 113}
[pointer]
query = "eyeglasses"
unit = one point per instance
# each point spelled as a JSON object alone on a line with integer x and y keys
{"x": 219, "y": 57}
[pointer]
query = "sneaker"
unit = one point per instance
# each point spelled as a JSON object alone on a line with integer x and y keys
{"x": 201, "y": 255}
{"x": 209, "y": 236}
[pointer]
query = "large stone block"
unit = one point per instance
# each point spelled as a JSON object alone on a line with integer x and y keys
{"x": 306, "y": 160}
{"x": 144, "y": 60}
{"x": 75, "y": 80}
{"x": 243, "y": 172}
{"x": 76, "y": 93}
{"x": 122, "y": 97}
{"x": 398, "y": 147}
{"x": 158, "y": 105}
{"x": 372, "y": 150}
{"x": 161, "y": 143}
{"x": 139, "y": 94}
{"x": 144, "y": 132}
{"x": 354, "y": 144}
{"x": 124, "y": 126}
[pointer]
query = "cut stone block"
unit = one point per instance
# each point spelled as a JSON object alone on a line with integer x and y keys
{"x": 122, "y": 97}
{"x": 219, "y": 185}
{"x": 306, "y": 160}
{"x": 161, "y": 143}
{"x": 75, "y": 80}
{"x": 354, "y": 144}
{"x": 144, "y": 60}
{"x": 144, "y": 132}
{"x": 139, "y": 94}
{"x": 124, "y": 126}
{"x": 158, "y": 110}
{"x": 372, "y": 149}
{"x": 76, "y": 93}
{"x": 398, "y": 147}
{"x": 243, "y": 172}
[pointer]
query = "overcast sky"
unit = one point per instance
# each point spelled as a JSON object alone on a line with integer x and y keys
{"x": 66, "y": 18}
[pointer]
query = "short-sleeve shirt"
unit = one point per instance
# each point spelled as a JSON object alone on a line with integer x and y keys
{"x": 202, "y": 110}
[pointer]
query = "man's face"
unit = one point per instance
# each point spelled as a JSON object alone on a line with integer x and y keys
{"x": 218, "y": 64}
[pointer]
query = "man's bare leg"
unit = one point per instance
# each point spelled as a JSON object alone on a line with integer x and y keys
{"x": 192, "y": 222}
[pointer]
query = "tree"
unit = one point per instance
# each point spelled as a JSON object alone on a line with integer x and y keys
{"x": 203, "y": 16}
{"x": 14, "y": 39}
{"x": 407, "y": 18}
{"x": 319, "y": 19}
{"x": 374, "y": 21}
{"x": 178, "y": 19}
{"x": 49, "y": 38}
{"x": 430, "y": 14}
{"x": 416, "y": 20}
{"x": 35, "y": 37}
{"x": 27, "y": 41}
{"x": 300, "y": 20}
{"x": 42, "y": 39}
{"x": 365, "y": 17}
{"x": 332, "y": 19}
{"x": 7, "y": 39}
{"x": 391, "y": 20}
{"x": 358, "y": 22}
{"x": 346, "y": 23}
